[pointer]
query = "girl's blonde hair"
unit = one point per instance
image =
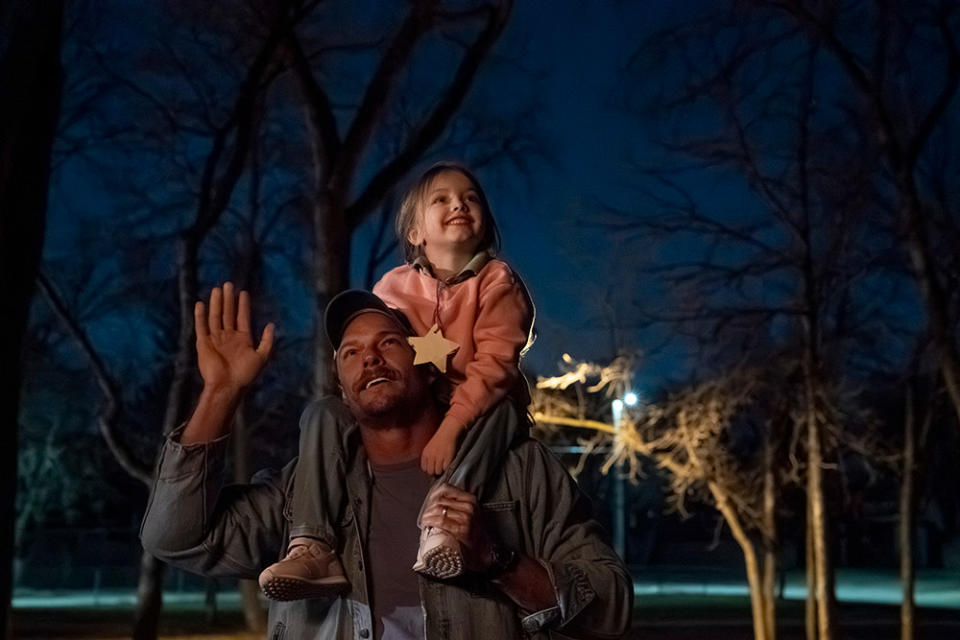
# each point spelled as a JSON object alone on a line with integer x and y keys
{"x": 408, "y": 215}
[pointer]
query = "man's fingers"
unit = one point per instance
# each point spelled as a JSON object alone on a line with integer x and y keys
{"x": 266, "y": 341}
{"x": 451, "y": 515}
{"x": 456, "y": 524}
{"x": 200, "y": 320}
{"x": 243, "y": 313}
{"x": 215, "y": 316}
{"x": 229, "y": 307}
{"x": 446, "y": 491}
{"x": 456, "y": 506}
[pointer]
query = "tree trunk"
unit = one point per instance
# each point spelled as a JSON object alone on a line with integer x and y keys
{"x": 810, "y": 607}
{"x": 907, "y": 498}
{"x": 818, "y": 522}
{"x": 150, "y": 588}
{"x": 30, "y": 87}
{"x": 210, "y": 600}
{"x": 757, "y": 605}
{"x": 812, "y": 372}
{"x": 770, "y": 540}
{"x": 818, "y": 559}
{"x": 149, "y": 598}
{"x": 253, "y": 612}
{"x": 935, "y": 299}
{"x": 179, "y": 394}
{"x": 331, "y": 276}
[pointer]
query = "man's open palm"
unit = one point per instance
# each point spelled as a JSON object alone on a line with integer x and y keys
{"x": 225, "y": 352}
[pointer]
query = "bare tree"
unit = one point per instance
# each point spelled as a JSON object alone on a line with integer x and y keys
{"x": 798, "y": 265}
{"x": 727, "y": 441}
{"x": 900, "y": 112}
{"x": 689, "y": 436}
{"x": 229, "y": 136}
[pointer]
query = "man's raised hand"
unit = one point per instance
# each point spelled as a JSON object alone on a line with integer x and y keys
{"x": 225, "y": 352}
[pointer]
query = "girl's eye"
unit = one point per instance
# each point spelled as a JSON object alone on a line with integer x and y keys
{"x": 473, "y": 198}
{"x": 439, "y": 199}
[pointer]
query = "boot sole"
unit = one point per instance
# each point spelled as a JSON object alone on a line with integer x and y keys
{"x": 284, "y": 589}
{"x": 441, "y": 562}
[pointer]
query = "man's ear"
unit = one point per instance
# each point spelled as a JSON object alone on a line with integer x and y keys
{"x": 336, "y": 381}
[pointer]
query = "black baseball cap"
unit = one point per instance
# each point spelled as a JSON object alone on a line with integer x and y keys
{"x": 349, "y": 304}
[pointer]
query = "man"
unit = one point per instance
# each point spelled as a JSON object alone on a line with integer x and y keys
{"x": 535, "y": 559}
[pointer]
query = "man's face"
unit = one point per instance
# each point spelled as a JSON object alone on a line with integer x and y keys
{"x": 375, "y": 367}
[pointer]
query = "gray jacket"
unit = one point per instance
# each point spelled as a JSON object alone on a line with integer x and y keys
{"x": 195, "y": 522}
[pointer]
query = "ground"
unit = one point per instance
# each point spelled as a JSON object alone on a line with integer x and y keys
{"x": 659, "y": 617}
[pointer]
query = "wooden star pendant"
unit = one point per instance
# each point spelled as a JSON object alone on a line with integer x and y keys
{"x": 433, "y": 347}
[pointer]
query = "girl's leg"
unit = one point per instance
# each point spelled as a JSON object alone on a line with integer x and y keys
{"x": 484, "y": 446}
{"x": 319, "y": 494}
{"x": 478, "y": 458}
{"x": 311, "y": 567}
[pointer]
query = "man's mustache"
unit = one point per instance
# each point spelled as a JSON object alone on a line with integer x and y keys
{"x": 373, "y": 374}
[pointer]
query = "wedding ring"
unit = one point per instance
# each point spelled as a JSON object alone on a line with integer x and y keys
{"x": 444, "y": 513}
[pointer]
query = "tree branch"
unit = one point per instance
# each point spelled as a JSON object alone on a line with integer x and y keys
{"x": 434, "y": 124}
{"x": 110, "y": 413}
{"x": 375, "y": 98}
{"x": 949, "y": 90}
{"x": 318, "y": 102}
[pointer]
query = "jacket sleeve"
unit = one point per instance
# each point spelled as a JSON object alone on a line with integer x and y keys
{"x": 593, "y": 588}
{"x": 501, "y": 332}
{"x": 195, "y": 523}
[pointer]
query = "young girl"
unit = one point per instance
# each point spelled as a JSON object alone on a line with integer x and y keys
{"x": 474, "y": 318}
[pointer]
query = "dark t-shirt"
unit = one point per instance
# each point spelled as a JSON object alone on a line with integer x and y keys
{"x": 398, "y": 493}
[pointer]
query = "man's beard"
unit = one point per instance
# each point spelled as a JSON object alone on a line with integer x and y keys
{"x": 379, "y": 406}
{"x": 380, "y": 403}
{"x": 401, "y": 401}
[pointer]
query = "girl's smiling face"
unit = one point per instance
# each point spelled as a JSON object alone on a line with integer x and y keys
{"x": 451, "y": 216}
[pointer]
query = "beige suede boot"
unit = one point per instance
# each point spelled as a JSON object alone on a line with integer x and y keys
{"x": 439, "y": 554}
{"x": 309, "y": 570}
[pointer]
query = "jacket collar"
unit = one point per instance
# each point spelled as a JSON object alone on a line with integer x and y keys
{"x": 472, "y": 268}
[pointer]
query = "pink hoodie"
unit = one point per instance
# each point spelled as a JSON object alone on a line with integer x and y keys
{"x": 488, "y": 314}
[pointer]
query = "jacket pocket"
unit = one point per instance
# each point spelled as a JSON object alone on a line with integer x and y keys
{"x": 503, "y": 519}
{"x": 503, "y": 505}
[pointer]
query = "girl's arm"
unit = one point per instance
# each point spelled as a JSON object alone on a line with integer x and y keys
{"x": 501, "y": 331}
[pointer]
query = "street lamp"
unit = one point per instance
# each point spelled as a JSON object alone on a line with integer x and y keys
{"x": 619, "y": 490}
{"x": 617, "y": 406}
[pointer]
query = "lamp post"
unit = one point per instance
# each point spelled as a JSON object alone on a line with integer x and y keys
{"x": 619, "y": 494}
